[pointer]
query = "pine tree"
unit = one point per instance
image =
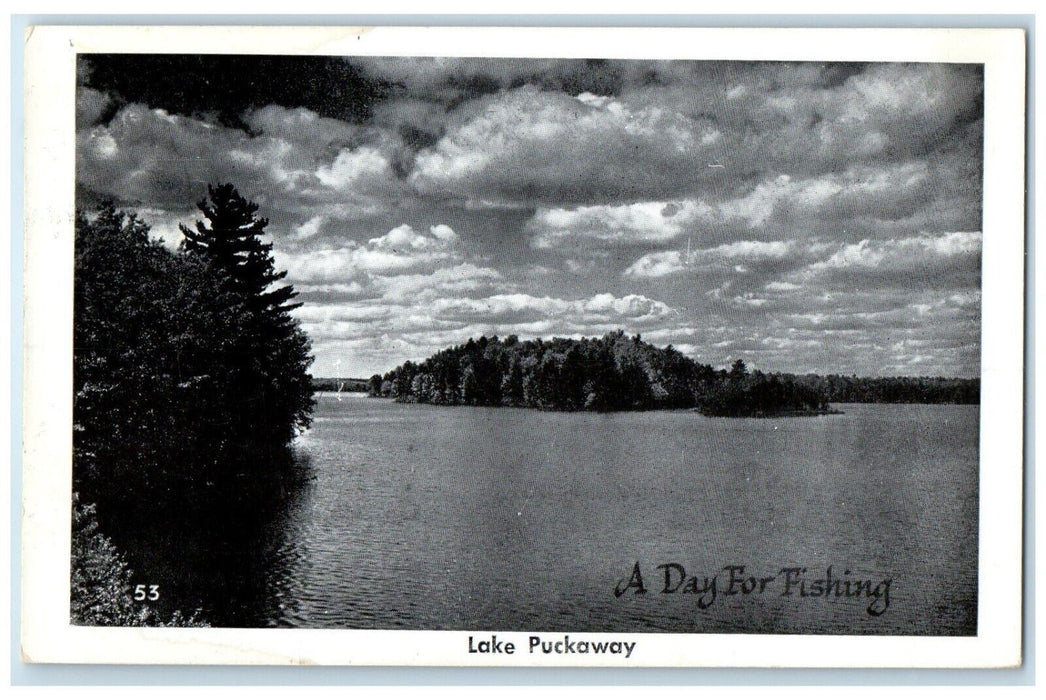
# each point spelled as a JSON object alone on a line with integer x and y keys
{"x": 230, "y": 240}
{"x": 270, "y": 356}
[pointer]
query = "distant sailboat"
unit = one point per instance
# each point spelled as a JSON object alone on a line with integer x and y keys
{"x": 341, "y": 385}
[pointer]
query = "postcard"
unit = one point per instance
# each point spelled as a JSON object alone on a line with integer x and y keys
{"x": 523, "y": 346}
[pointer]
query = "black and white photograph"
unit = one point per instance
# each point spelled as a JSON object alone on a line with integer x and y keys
{"x": 554, "y": 353}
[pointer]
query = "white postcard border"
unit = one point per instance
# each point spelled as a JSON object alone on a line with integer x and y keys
{"x": 50, "y": 58}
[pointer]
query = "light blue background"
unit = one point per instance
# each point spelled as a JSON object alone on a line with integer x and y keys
{"x": 67, "y": 674}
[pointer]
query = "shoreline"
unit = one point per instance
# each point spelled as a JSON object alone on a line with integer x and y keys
{"x": 773, "y": 414}
{"x": 690, "y": 409}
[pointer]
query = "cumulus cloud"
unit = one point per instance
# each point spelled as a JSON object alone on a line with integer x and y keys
{"x": 416, "y": 326}
{"x": 404, "y": 237}
{"x": 811, "y": 119}
{"x": 747, "y": 250}
{"x": 90, "y": 105}
{"x": 879, "y": 200}
{"x": 739, "y": 252}
{"x": 295, "y": 160}
{"x": 641, "y": 222}
{"x": 462, "y": 278}
{"x": 520, "y": 307}
{"x": 356, "y": 169}
{"x": 401, "y": 249}
{"x": 910, "y": 103}
{"x": 398, "y": 288}
{"x": 943, "y": 259}
{"x": 907, "y": 250}
{"x": 880, "y": 192}
{"x": 528, "y": 144}
{"x": 657, "y": 264}
{"x": 310, "y": 228}
{"x": 805, "y": 216}
{"x": 305, "y": 127}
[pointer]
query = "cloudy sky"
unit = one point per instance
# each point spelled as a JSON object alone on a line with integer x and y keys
{"x": 804, "y": 217}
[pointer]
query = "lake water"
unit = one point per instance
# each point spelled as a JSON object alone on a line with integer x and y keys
{"x": 426, "y": 517}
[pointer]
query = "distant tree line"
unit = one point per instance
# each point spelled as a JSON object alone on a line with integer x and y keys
{"x": 339, "y": 384}
{"x": 620, "y": 372}
{"x": 190, "y": 375}
{"x": 613, "y": 373}
{"x": 842, "y": 389}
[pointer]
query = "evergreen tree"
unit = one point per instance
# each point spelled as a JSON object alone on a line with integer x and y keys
{"x": 738, "y": 372}
{"x": 183, "y": 365}
{"x": 230, "y": 238}
{"x": 270, "y": 356}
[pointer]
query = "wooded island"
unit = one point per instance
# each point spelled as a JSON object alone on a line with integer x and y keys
{"x": 618, "y": 372}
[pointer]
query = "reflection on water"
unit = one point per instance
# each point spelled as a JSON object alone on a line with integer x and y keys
{"x": 213, "y": 551}
{"x": 423, "y": 517}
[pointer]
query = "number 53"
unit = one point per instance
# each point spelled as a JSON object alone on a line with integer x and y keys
{"x": 140, "y": 592}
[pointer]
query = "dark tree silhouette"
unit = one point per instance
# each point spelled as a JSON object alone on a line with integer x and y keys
{"x": 620, "y": 373}
{"x": 270, "y": 356}
{"x": 738, "y": 371}
{"x": 190, "y": 378}
{"x": 230, "y": 238}
{"x": 612, "y": 373}
{"x": 147, "y": 326}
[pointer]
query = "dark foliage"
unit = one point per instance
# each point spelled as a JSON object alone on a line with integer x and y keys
{"x": 180, "y": 359}
{"x": 190, "y": 375}
{"x": 340, "y": 384}
{"x": 618, "y": 372}
{"x": 744, "y": 393}
{"x": 101, "y": 590}
{"x": 612, "y": 373}
{"x": 897, "y": 389}
{"x": 145, "y": 325}
{"x": 268, "y": 355}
